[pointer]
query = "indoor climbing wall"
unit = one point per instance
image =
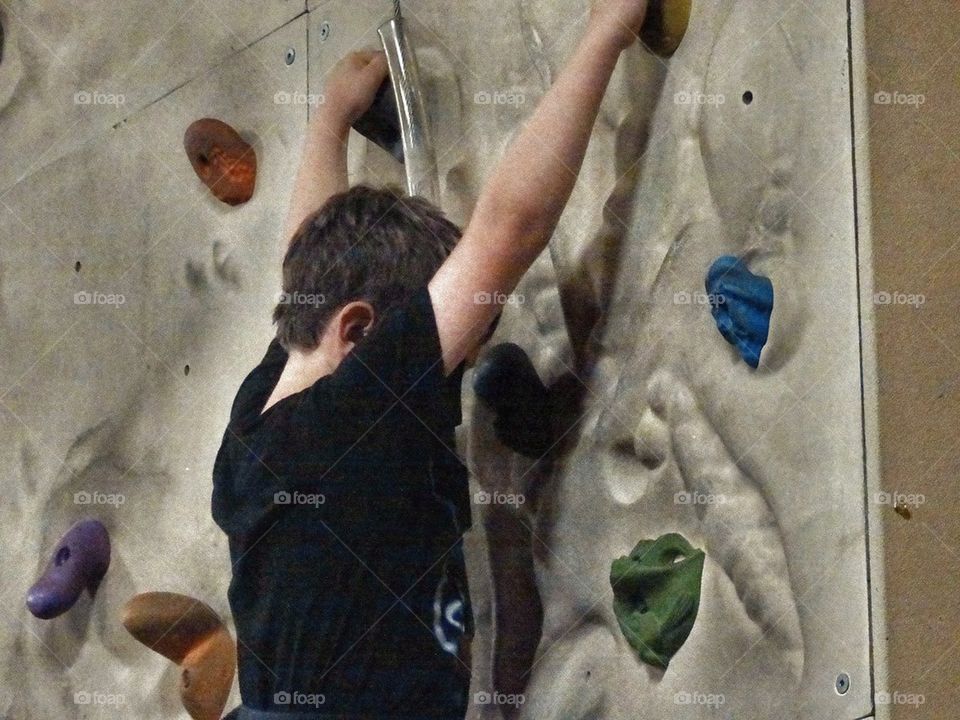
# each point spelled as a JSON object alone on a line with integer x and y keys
{"x": 134, "y": 302}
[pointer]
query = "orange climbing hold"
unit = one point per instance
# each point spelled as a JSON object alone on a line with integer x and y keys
{"x": 223, "y": 160}
{"x": 188, "y": 632}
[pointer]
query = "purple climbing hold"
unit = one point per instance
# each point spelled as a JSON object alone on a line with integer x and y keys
{"x": 80, "y": 561}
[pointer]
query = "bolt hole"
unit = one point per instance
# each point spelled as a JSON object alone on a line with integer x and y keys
{"x": 76, "y": 268}
{"x": 748, "y": 98}
{"x": 291, "y": 56}
{"x": 63, "y": 554}
{"x": 186, "y": 369}
{"x": 843, "y": 683}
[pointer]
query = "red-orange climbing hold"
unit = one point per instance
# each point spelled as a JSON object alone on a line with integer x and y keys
{"x": 223, "y": 160}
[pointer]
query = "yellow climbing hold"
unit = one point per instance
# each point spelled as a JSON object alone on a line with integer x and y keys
{"x": 665, "y": 26}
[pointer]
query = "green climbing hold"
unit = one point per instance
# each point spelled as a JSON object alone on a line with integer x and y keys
{"x": 656, "y": 594}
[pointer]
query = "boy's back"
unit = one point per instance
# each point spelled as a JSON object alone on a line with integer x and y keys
{"x": 344, "y": 505}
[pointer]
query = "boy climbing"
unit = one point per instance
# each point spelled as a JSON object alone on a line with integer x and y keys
{"x": 336, "y": 482}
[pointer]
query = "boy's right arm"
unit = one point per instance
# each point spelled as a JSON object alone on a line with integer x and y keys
{"x": 521, "y": 204}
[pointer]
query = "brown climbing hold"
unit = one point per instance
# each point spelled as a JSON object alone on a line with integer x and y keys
{"x": 188, "y": 632}
{"x": 223, "y": 160}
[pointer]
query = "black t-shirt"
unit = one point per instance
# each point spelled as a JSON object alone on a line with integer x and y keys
{"x": 344, "y": 505}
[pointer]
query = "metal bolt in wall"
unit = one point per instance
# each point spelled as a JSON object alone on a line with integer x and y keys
{"x": 843, "y": 683}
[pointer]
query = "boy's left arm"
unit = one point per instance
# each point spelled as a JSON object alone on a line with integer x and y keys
{"x": 350, "y": 91}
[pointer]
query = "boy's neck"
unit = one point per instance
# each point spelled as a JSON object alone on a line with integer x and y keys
{"x": 301, "y": 371}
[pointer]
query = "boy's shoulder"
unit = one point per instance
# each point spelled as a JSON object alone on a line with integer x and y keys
{"x": 399, "y": 363}
{"x": 267, "y": 371}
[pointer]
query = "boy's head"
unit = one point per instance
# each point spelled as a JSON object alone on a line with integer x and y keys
{"x": 365, "y": 252}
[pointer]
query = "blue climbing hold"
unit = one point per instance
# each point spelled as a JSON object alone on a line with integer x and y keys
{"x": 741, "y": 303}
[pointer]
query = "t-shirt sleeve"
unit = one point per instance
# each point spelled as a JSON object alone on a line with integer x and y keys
{"x": 252, "y": 386}
{"x": 399, "y": 366}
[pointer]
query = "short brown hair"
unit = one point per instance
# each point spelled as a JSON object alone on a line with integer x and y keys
{"x": 365, "y": 244}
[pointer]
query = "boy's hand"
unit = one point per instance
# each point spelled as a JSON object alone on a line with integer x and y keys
{"x": 353, "y": 84}
{"x": 350, "y": 91}
{"x": 622, "y": 19}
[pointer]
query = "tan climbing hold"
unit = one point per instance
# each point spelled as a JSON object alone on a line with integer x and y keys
{"x": 206, "y": 676}
{"x": 189, "y": 633}
{"x": 224, "y": 161}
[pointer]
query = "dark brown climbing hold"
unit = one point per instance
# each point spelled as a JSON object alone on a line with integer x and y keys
{"x": 381, "y": 123}
{"x": 223, "y": 160}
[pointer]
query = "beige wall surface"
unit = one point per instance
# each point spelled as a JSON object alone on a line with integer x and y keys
{"x": 100, "y": 398}
{"x": 913, "y": 62}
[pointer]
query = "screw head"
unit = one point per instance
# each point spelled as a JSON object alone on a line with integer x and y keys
{"x": 291, "y": 56}
{"x": 325, "y": 30}
{"x": 843, "y": 683}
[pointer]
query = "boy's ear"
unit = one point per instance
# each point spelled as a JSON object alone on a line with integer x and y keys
{"x": 354, "y": 321}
